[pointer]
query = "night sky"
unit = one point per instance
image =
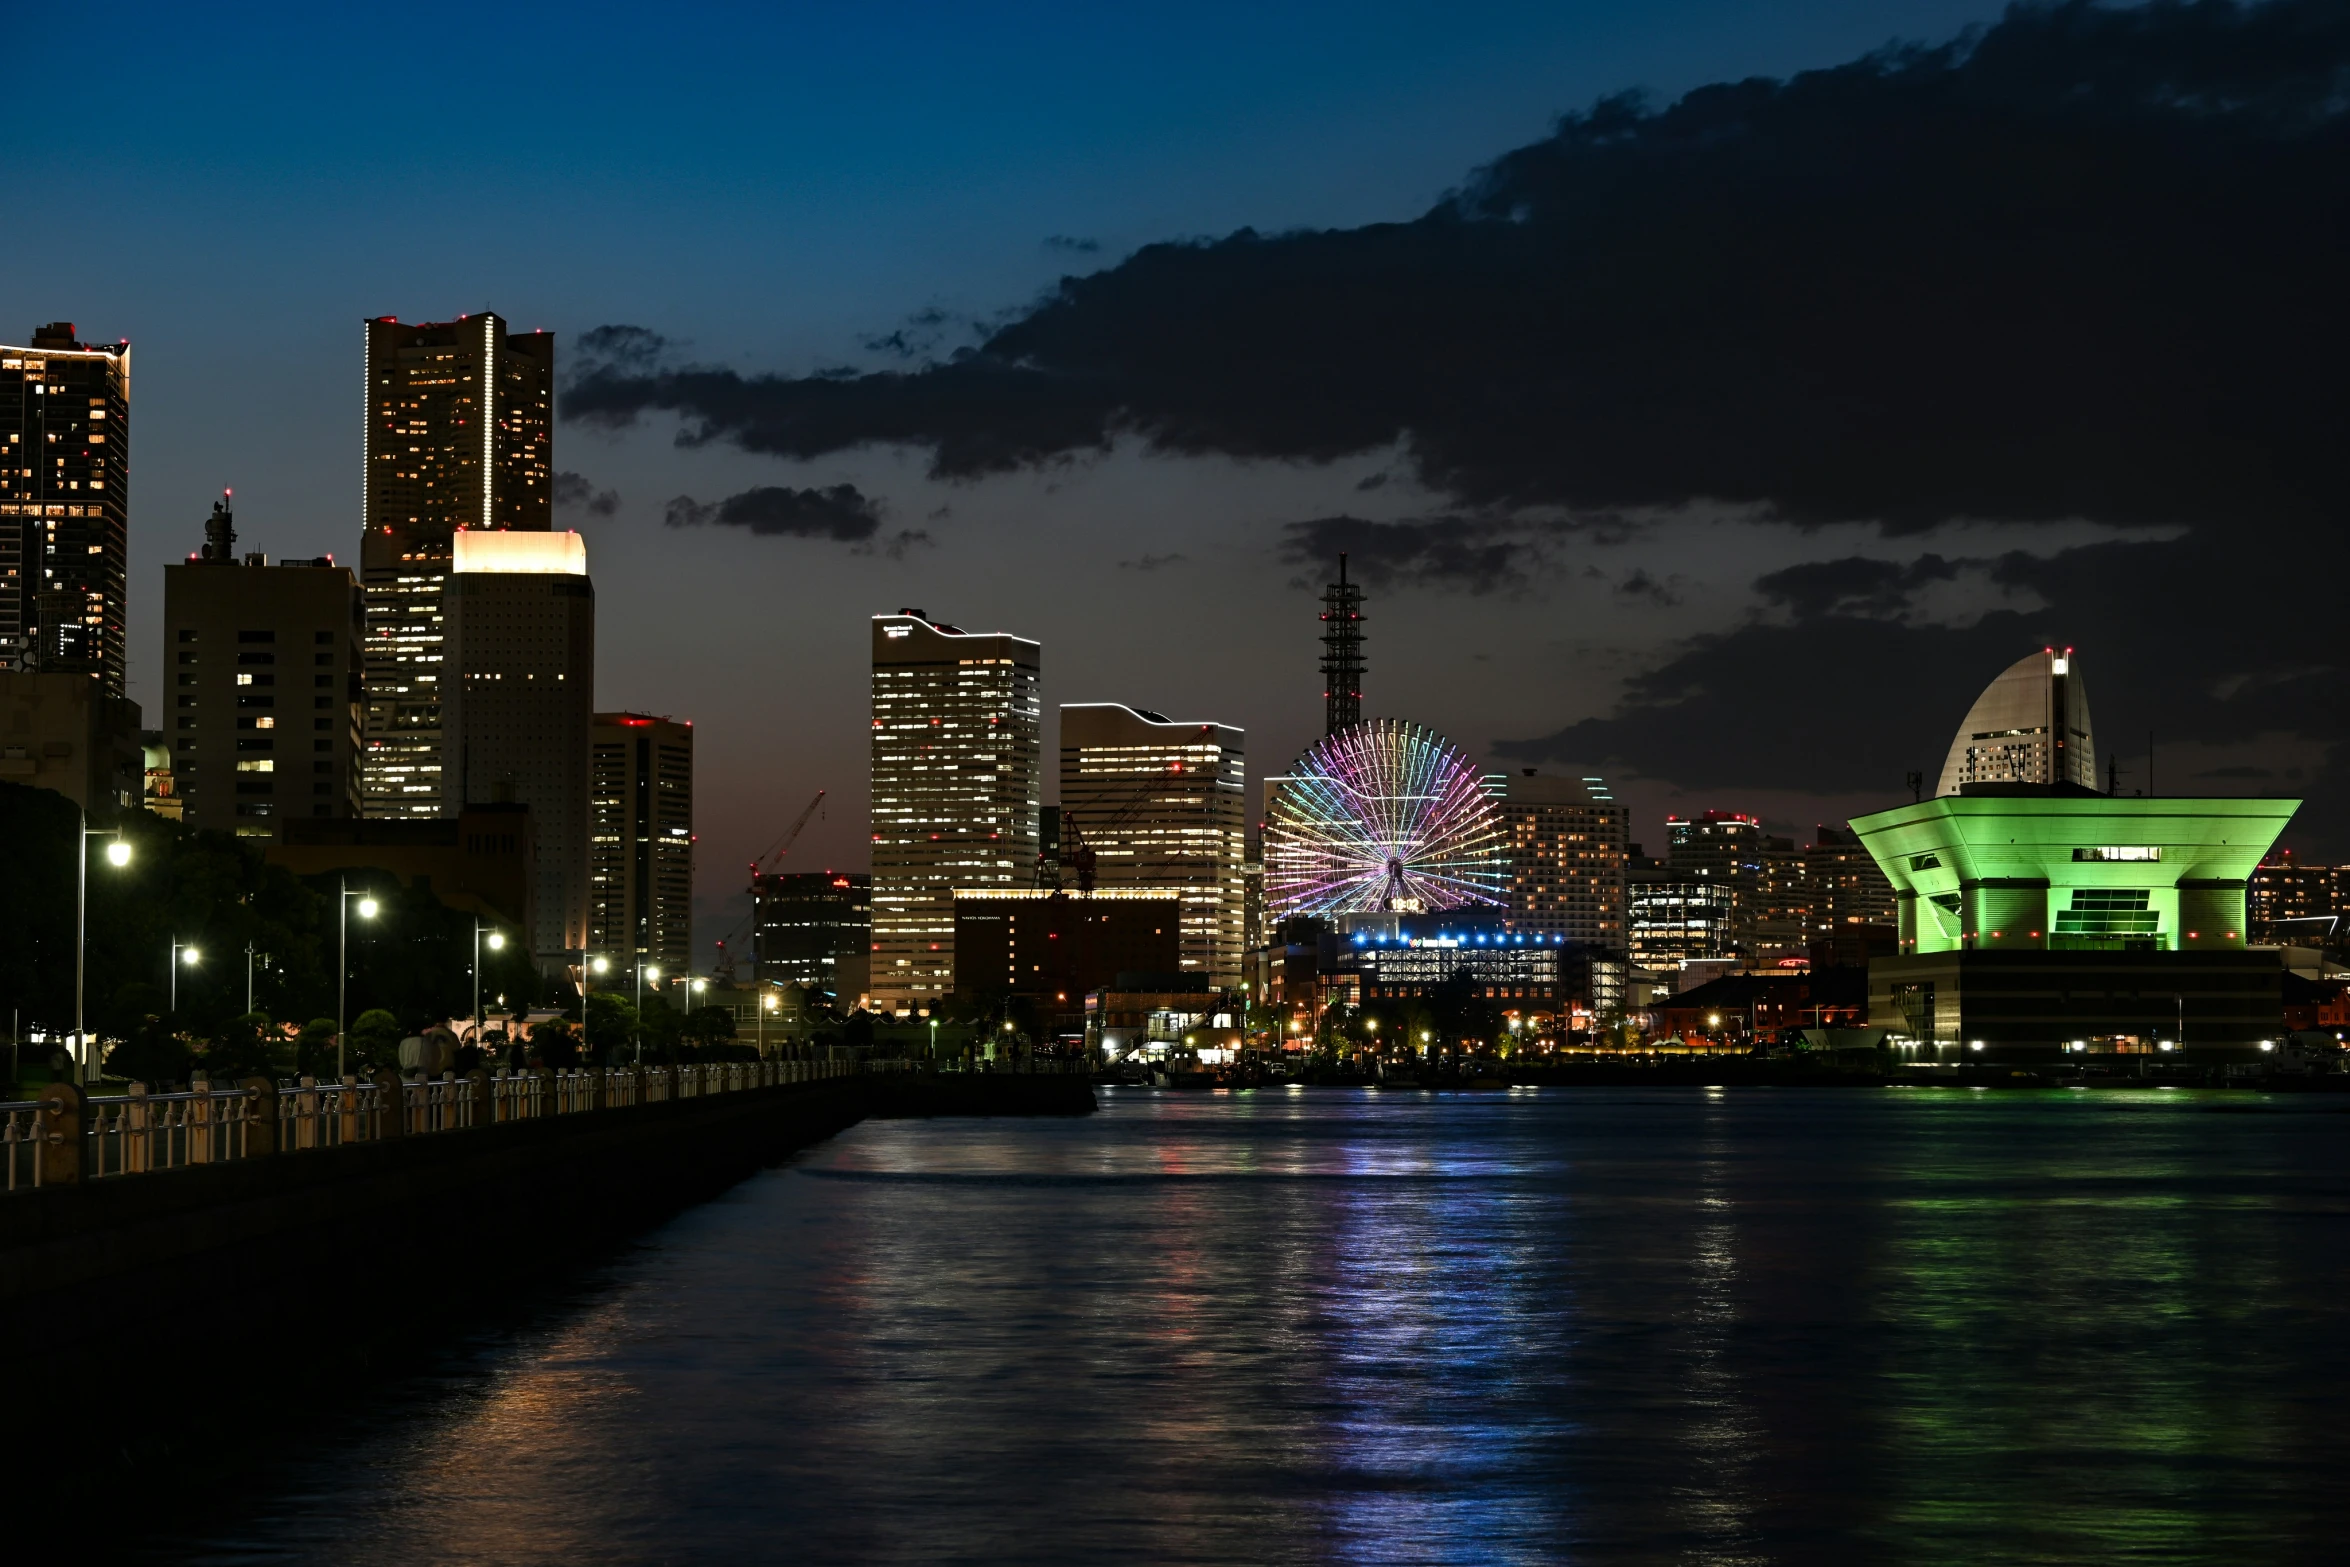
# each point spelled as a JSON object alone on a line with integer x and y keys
{"x": 1712, "y": 394}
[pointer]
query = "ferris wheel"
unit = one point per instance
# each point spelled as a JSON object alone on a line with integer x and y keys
{"x": 1382, "y": 815}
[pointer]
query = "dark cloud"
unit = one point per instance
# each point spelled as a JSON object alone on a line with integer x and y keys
{"x": 1153, "y": 562}
{"x": 841, "y": 512}
{"x": 917, "y": 337}
{"x": 1072, "y": 244}
{"x": 2082, "y": 263}
{"x": 616, "y": 350}
{"x": 1641, "y": 585}
{"x": 573, "y": 492}
{"x": 1479, "y": 554}
{"x": 1855, "y": 585}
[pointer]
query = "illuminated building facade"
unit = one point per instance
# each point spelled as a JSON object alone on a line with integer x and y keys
{"x": 459, "y": 434}
{"x": 519, "y": 704}
{"x": 1676, "y": 917}
{"x": 957, "y": 780}
{"x": 65, "y": 414}
{"x": 814, "y": 929}
{"x": 264, "y": 669}
{"x": 2289, "y": 900}
{"x": 641, "y": 841}
{"x": 2030, "y": 726}
{"x": 1844, "y": 885}
{"x": 1569, "y": 839}
{"x": 1161, "y": 804}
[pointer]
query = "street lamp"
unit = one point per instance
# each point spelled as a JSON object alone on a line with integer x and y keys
{"x": 367, "y": 908}
{"x": 766, "y": 1005}
{"x": 644, "y": 973}
{"x": 250, "y": 955}
{"x": 192, "y": 959}
{"x": 118, "y": 854}
{"x": 497, "y": 943}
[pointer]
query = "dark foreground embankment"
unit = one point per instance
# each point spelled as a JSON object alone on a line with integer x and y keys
{"x": 148, "y": 1318}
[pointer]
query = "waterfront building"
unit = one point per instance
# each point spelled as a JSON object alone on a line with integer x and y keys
{"x": 1160, "y": 804}
{"x": 65, "y": 473}
{"x": 519, "y": 702}
{"x": 2288, "y": 900}
{"x": 2043, "y": 916}
{"x": 264, "y": 664}
{"x": 814, "y": 929}
{"x": 1569, "y": 839}
{"x": 1055, "y": 947}
{"x": 459, "y": 433}
{"x": 641, "y": 840}
{"x": 2030, "y": 726}
{"x": 957, "y": 781}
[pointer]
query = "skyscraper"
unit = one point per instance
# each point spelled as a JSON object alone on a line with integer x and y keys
{"x": 814, "y": 928}
{"x": 957, "y": 784}
{"x": 265, "y": 686}
{"x": 1568, "y": 840}
{"x": 2030, "y": 725}
{"x": 641, "y": 841}
{"x": 1159, "y": 804}
{"x": 521, "y": 647}
{"x": 65, "y": 471}
{"x": 459, "y": 434}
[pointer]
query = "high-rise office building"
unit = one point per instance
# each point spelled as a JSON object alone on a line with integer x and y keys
{"x": 1845, "y": 885}
{"x": 459, "y": 434}
{"x": 957, "y": 785}
{"x": 815, "y": 929}
{"x": 641, "y": 841}
{"x": 520, "y": 699}
{"x": 1725, "y": 848}
{"x": 264, "y": 669}
{"x": 65, "y": 474}
{"x": 1568, "y": 839}
{"x": 1159, "y": 804}
{"x": 2030, "y": 725}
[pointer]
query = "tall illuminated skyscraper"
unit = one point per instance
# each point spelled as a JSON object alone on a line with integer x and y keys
{"x": 517, "y": 715}
{"x": 1163, "y": 805}
{"x": 459, "y": 434}
{"x": 641, "y": 842}
{"x": 65, "y": 413}
{"x": 1569, "y": 840}
{"x": 957, "y": 783}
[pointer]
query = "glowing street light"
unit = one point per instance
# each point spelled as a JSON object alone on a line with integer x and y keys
{"x": 367, "y": 911}
{"x": 118, "y": 854}
{"x": 181, "y": 952}
{"x": 497, "y": 942}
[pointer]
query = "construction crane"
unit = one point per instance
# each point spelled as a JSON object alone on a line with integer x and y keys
{"x": 723, "y": 968}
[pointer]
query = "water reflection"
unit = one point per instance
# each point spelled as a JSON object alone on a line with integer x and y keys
{"x": 1354, "y": 1327}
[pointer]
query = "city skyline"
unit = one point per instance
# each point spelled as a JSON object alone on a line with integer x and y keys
{"x": 1696, "y": 638}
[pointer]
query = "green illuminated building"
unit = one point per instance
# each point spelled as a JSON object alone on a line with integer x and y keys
{"x": 2038, "y": 916}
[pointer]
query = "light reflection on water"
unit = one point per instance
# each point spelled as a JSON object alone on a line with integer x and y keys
{"x": 1603, "y": 1326}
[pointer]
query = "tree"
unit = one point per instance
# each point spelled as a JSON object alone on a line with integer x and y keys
{"x": 709, "y": 1026}
{"x": 611, "y": 1025}
{"x": 240, "y": 1048}
{"x": 373, "y": 1043}
{"x": 314, "y": 1052}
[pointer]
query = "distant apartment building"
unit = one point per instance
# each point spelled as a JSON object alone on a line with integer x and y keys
{"x": 1154, "y": 803}
{"x": 518, "y": 703}
{"x": 1568, "y": 840}
{"x": 459, "y": 433}
{"x": 641, "y": 841}
{"x": 263, "y": 667}
{"x": 65, "y": 413}
{"x": 1846, "y": 887}
{"x": 1055, "y": 947}
{"x": 814, "y": 929}
{"x": 957, "y": 781}
{"x": 2293, "y": 902}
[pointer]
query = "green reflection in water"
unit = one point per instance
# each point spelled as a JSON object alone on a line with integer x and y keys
{"x": 2077, "y": 1350}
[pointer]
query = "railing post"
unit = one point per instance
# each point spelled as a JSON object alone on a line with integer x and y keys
{"x": 600, "y": 1089}
{"x": 477, "y": 1098}
{"x": 307, "y": 1131}
{"x": 200, "y": 1121}
{"x": 60, "y": 1150}
{"x": 348, "y": 1110}
{"x": 137, "y": 1156}
{"x": 542, "y": 1091}
{"x": 260, "y": 1117}
{"x": 391, "y": 1104}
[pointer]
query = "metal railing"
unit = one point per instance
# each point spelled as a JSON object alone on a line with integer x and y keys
{"x": 139, "y": 1132}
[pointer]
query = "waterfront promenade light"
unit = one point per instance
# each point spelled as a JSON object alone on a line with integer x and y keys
{"x": 367, "y": 911}
{"x": 118, "y": 854}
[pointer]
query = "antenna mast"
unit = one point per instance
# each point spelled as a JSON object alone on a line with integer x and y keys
{"x": 1342, "y": 653}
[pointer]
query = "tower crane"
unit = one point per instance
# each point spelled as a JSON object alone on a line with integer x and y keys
{"x": 723, "y": 968}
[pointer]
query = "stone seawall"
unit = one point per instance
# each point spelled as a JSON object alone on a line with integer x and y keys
{"x": 147, "y": 1316}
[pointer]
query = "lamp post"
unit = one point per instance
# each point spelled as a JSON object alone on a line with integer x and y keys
{"x": 587, "y": 986}
{"x": 766, "y": 1005}
{"x": 497, "y": 941}
{"x": 118, "y": 854}
{"x": 193, "y": 958}
{"x": 250, "y": 955}
{"x": 643, "y": 973}
{"x": 367, "y": 908}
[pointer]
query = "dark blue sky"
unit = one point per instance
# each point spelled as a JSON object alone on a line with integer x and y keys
{"x": 234, "y": 187}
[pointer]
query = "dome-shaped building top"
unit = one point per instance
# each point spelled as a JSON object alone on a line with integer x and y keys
{"x": 2030, "y": 726}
